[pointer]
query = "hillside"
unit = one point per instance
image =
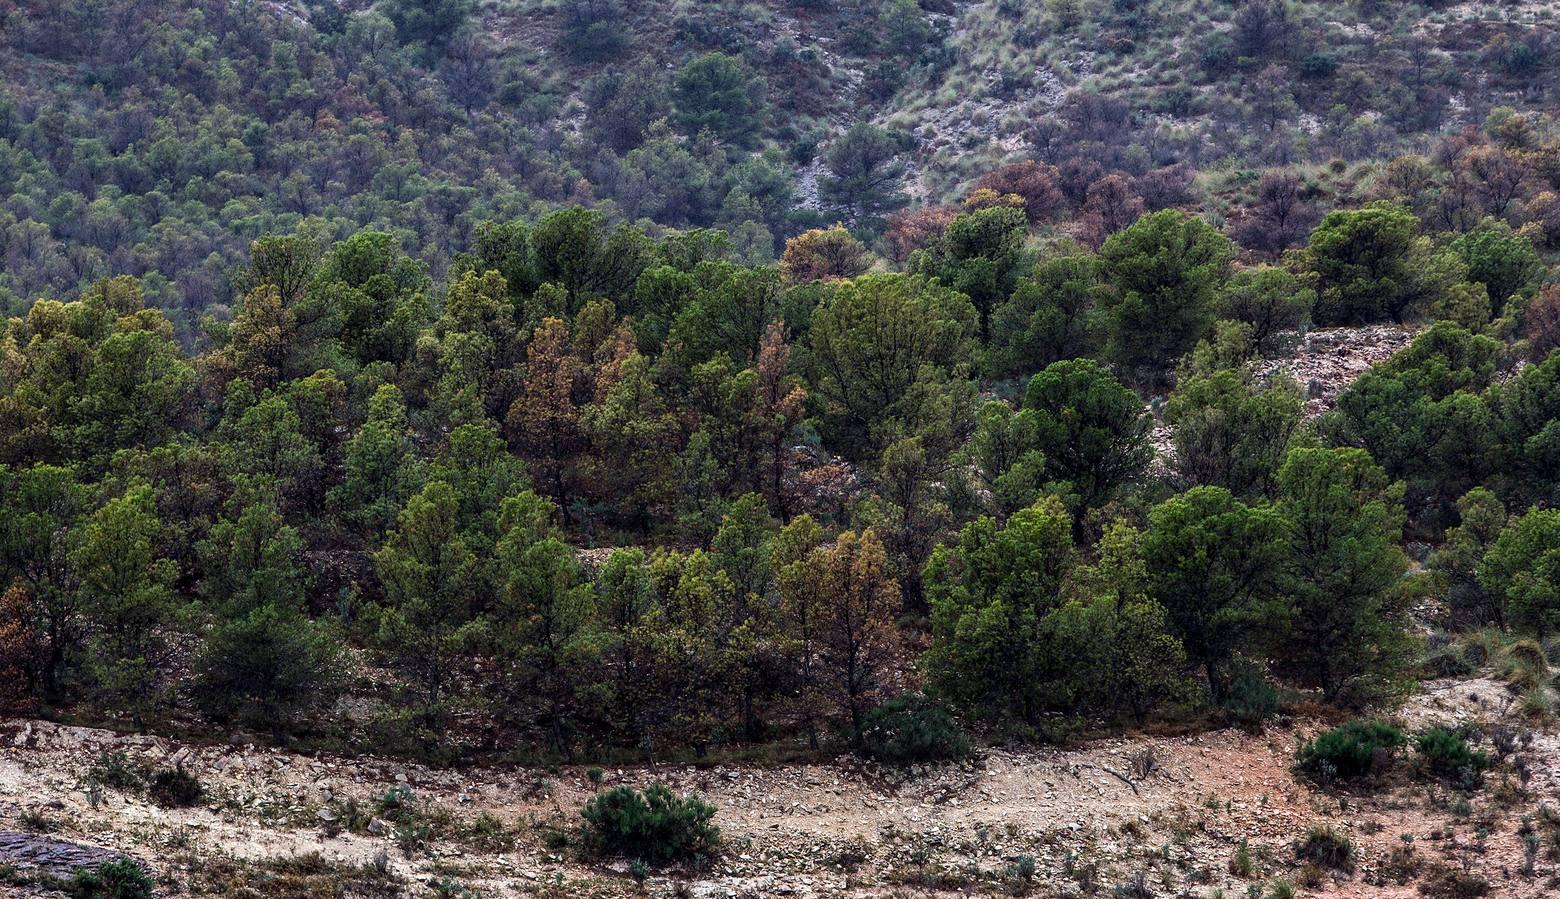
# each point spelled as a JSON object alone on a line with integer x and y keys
{"x": 158, "y": 139}
{"x": 822, "y": 449}
{"x": 1169, "y": 816}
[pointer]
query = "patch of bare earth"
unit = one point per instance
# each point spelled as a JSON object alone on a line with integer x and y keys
{"x": 1165, "y": 813}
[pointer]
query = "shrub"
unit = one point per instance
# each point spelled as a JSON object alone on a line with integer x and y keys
{"x": 1448, "y": 661}
{"x": 655, "y": 826}
{"x": 113, "y": 770}
{"x": 911, "y": 729}
{"x": 1242, "y": 865}
{"x": 1251, "y": 700}
{"x": 1449, "y": 883}
{"x": 1327, "y": 848}
{"x": 1024, "y": 868}
{"x": 1445, "y": 753}
{"x": 1349, "y": 751}
{"x": 174, "y": 788}
{"x": 1537, "y": 702}
{"x": 118, "y": 879}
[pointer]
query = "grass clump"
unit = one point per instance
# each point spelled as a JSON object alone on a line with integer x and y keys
{"x": 1327, "y": 848}
{"x": 655, "y": 826}
{"x": 911, "y": 729}
{"x": 1350, "y": 751}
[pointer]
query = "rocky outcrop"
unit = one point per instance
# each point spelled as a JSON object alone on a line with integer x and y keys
{"x": 46, "y": 858}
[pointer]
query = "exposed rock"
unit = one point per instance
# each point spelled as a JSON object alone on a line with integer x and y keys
{"x": 48, "y": 857}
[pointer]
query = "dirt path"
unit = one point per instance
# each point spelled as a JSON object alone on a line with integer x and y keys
{"x": 1090, "y": 817}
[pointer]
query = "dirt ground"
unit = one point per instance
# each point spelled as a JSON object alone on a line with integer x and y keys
{"x": 1101, "y": 819}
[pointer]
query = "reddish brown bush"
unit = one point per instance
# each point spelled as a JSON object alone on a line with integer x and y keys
{"x": 1034, "y": 182}
{"x": 1111, "y": 206}
{"x": 18, "y": 649}
{"x": 913, "y": 229}
{"x": 1541, "y": 323}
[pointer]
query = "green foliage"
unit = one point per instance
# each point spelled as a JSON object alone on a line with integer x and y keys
{"x": 1214, "y": 561}
{"x": 113, "y": 770}
{"x": 1231, "y": 432}
{"x": 910, "y": 730}
{"x": 127, "y": 594}
{"x": 1250, "y": 700}
{"x": 1504, "y": 262}
{"x": 1163, "y": 274}
{"x": 1372, "y": 265}
{"x": 1455, "y": 562}
{"x": 1526, "y": 420}
{"x": 1349, "y": 619}
{"x": 118, "y": 879}
{"x": 1445, "y": 753}
{"x": 1521, "y": 572}
{"x": 1270, "y": 300}
{"x": 864, "y": 173}
{"x": 979, "y": 255}
{"x": 1124, "y": 659}
{"x": 1327, "y": 848}
{"x": 1090, "y": 428}
{"x": 990, "y": 595}
{"x": 654, "y": 826}
{"x": 436, "y": 591}
{"x": 1349, "y": 751}
{"x": 884, "y": 347}
{"x": 1419, "y": 414}
{"x": 268, "y": 667}
{"x": 593, "y": 30}
{"x": 432, "y": 22}
{"x": 1049, "y": 316}
{"x": 720, "y": 93}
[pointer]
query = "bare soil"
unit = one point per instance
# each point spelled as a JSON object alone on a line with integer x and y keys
{"x": 1165, "y": 813}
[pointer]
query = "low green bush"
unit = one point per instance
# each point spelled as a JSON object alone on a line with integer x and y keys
{"x": 1446, "y": 753}
{"x": 1251, "y": 700}
{"x": 1326, "y": 848}
{"x": 655, "y": 826}
{"x": 1349, "y": 751}
{"x": 113, "y": 769}
{"x": 911, "y": 729}
{"x": 174, "y": 788}
{"x": 118, "y": 879}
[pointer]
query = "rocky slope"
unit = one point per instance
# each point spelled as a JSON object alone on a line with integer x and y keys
{"x": 1156, "y": 815}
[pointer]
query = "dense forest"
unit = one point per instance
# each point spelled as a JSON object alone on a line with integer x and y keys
{"x": 459, "y": 380}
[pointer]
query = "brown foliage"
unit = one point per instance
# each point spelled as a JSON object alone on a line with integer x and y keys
{"x": 1281, "y": 217}
{"x": 911, "y": 230}
{"x": 543, "y": 423}
{"x": 847, "y": 602}
{"x": 259, "y": 339}
{"x": 1541, "y": 323}
{"x": 1034, "y": 182}
{"x": 18, "y": 649}
{"x": 1111, "y": 206}
{"x": 1164, "y": 188}
{"x": 780, "y": 405}
{"x": 1544, "y": 214}
{"x": 986, "y": 198}
{"x": 1496, "y": 177}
